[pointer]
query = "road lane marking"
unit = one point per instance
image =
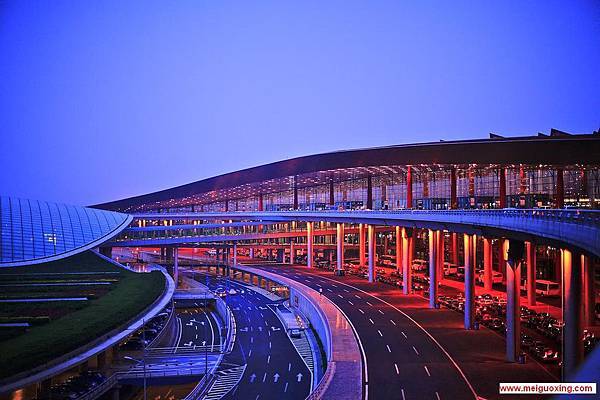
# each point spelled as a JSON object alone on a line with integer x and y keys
{"x": 264, "y": 379}
{"x": 250, "y": 353}
{"x": 370, "y": 305}
{"x": 330, "y": 290}
{"x": 415, "y": 349}
{"x": 438, "y": 344}
{"x": 437, "y": 395}
{"x": 370, "y": 320}
{"x": 285, "y": 388}
{"x": 427, "y": 370}
{"x": 351, "y": 303}
{"x": 269, "y": 344}
{"x": 361, "y": 311}
{"x": 404, "y": 334}
{"x": 346, "y": 290}
{"x": 388, "y": 348}
{"x": 392, "y": 321}
{"x": 380, "y": 334}
{"x": 402, "y": 391}
{"x": 380, "y": 312}
{"x": 357, "y": 296}
{"x": 340, "y": 296}
{"x": 269, "y": 359}
{"x": 289, "y": 367}
{"x": 397, "y": 370}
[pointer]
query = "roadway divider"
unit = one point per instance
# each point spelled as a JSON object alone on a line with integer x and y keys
{"x": 343, "y": 378}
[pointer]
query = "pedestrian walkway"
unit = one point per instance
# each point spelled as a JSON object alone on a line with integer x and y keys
{"x": 303, "y": 347}
{"x": 224, "y": 381}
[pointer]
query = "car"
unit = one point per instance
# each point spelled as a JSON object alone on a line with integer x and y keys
{"x": 221, "y": 292}
{"x": 295, "y": 333}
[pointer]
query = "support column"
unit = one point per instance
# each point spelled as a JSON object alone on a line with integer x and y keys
{"x": 409, "y": 194}
{"x": 251, "y": 252}
{"x": 440, "y": 255}
{"x": 433, "y": 267}
{"x": 309, "y": 244}
{"x": 292, "y": 252}
{"x": 589, "y": 296}
{"x": 369, "y": 193}
{"x": 502, "y": 188}
{"x": 514, "y": 257}
{"x": 398, "y": 249}
{"x": 406, "y": 260}
{"x": 331, "y": 193}
{"x": 488, "y": 282}
{"x": 176, "y": 265}
{"x": 573, "y": 329}
{"x": 454, "y": 249}
{"x": 361, "y": 244}
{"x": 453, "y": 186}
{"x": 260, "y": 202}
{"x": 531, "y": 273}
{"x": 234, "y": 254}
{"x": 469, "y": 281}
{"x": 371, "y": 240}
{"x": 340, "y": 246}
{"x": 295, "y": 192}
{"x": 560, "y": 188}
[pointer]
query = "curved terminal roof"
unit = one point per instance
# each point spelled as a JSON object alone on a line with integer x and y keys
{"x": 35, "y": 231}
{"x": 557, "y": 149}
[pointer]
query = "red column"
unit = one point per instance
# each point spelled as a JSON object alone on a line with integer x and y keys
{"x": 502, "y": 188}
{"x": 531, "y": 272}
{"x": 409, "y": 195}
{"x": 487, "y": 264}
{"x": 361, "y": 244}
{"x": 560, "y": 188}
{"x": 453, "y": 198}
{"x": 398, "y": 249}
{"x": 260, "y": 202}
{"x": 573, "y": 329}
{"x": 454, "y": 248}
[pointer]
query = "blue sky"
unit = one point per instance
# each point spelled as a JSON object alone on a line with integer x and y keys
{"x": 103, "y": 100}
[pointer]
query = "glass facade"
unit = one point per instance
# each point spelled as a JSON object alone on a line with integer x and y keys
{"x": 33, "y": 229}
{"x": 385, "y": 188}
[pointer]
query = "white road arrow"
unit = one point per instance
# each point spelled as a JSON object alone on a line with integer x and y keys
{"x": 275, "y": 329}
{"x": 260, "y": 328}
{"x": 244, "y": 329}
{"x": 275, "y": 377}
{"x": 299, "y": 376}
{"x": 263, "y": 308}
{"x": 252, "y": 378}
{"x": 204, "y": 343}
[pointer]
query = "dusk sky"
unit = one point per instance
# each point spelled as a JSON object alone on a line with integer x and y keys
{"x": 104, "y": 100}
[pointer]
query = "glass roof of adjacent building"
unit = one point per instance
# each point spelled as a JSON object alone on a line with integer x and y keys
{"x": 33, "y": 231}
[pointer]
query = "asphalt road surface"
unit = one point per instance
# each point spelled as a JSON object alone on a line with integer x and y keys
{"x": 274, "y": 369}
{"x": 403, "y": 361}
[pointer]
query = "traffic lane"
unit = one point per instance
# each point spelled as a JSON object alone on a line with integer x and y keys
{"x": 400, "y": 356}
{"x": 274, "y": 368}
{"x": 481, "y": 353}
{"x": 198, "y": 328}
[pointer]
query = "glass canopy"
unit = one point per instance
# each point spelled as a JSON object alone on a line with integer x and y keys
{"x": 33, "y": 231}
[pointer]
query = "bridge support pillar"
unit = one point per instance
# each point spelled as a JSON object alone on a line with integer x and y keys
{"x": 292, "y": 252}
{"x": 398, "y": 249}
{"x": 340, "y": 246}
{"x": 309, "y": 244}
{"x": 454, "y": 247}
{"x": 487, "y": 264}
{"x": 440, "y": 256}
{"x": 469, "y": 245}
{"x": 573, "y": 310}
{"x": 589, "y": 296}
{"x": 531, "y": 273}
{"x": 514, "y": 257}
{"x": 433, "y": 267}
{"x": 234, "y": 254}
{"x": 406, "y": 260}
{"x": 251, "y": 252}
{"x": 371, "y": 240}
{"x": 361, "y": 244}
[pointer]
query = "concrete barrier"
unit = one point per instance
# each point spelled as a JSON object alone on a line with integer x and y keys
{"x": 344, "y": 378}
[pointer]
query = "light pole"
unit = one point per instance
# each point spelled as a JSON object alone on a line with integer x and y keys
{"x": 143, "y": 362}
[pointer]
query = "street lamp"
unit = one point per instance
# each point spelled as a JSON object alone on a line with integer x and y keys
{"x": 143, "y": 362}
